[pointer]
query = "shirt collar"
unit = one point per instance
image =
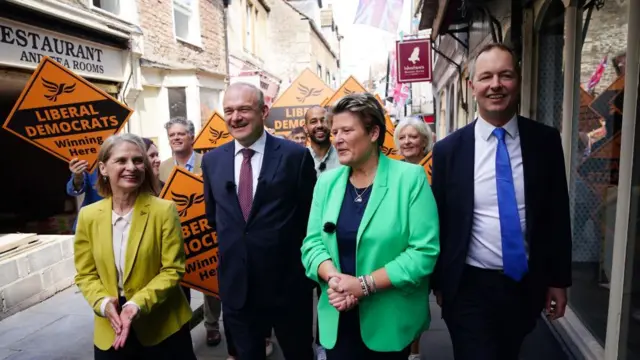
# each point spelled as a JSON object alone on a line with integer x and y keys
{"x": 484, "y": 129}
{"x": 127, "y": 217}
{"x": 326, "y": 156}
{"x": 190, "y": 164}
{"x": 257, "y": 146}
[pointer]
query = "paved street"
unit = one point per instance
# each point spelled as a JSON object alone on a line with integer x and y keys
{"x": 61, "y": 328}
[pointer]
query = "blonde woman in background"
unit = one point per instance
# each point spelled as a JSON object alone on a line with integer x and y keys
{"x": 413, "y": 139}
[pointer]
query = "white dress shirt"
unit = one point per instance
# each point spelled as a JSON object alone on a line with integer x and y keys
{"x": 121, "y": 226}
{"x": 485, "y": 247}
{"x": 256, "y": 160}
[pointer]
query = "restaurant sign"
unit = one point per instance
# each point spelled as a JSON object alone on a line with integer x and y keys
{"x": 414, "y": 60}
{"x": 24, "y": 46}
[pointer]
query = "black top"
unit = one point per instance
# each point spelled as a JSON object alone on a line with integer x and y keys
{"x": 349, "y": 220}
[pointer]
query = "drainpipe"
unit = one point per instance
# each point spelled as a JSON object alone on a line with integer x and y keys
{"x": 570, "y": 102}
{"x": 225, "y": 23}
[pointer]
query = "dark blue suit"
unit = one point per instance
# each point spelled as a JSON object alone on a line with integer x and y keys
{"x": 548, "y": 235}
{"x": 261, "y": 278}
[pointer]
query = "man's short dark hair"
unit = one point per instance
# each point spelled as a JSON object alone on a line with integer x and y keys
{"x": 306, "y": 114}
{"x": 489, "y": 47}
{"x": 298, "y": 130}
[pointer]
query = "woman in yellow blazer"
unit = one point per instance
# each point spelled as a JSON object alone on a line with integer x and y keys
{"x": 372, "y": 241}
{"x": 129, "y": 258}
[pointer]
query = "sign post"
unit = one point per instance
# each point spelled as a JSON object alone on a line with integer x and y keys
{"x": 200, "y": 241}
{"x": 64, "y": 114}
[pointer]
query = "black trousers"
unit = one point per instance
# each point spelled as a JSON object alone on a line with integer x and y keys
{"x": 350, "y": 345}
{"x": 490, "y": 316}
{"x": 315, "y": 310}
{"x": 187, "y": 293}
{"x": 292, "y": 323}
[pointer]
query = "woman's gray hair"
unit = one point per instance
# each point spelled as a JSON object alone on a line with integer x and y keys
{"x": 421, "y": 127}
{"x": 367, "y": 108}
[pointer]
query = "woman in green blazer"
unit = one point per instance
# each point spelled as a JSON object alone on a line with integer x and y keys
{"x": 372, "y": 241}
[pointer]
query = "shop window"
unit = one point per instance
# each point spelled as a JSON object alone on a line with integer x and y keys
{"x": 209, "y": 99}
{"x": 177, "y": 102}
{"x": 595, "y": 158}
{"x": 186, "y": 21}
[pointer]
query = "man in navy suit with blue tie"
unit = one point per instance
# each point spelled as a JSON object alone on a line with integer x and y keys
{"x": 258, "y": 191}
{"x": 505, "y": 233}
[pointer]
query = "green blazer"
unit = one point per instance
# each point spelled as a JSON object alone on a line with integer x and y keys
{"x": 399, "y": 231}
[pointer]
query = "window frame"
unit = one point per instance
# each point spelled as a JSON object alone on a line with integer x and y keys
{"x": 194, "y": 32}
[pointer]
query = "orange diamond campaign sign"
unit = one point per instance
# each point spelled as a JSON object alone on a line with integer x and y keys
{"x": 64, "y": 114}
{"x": 213, "y": 134}
{"x": 348, "y": 87}
{"x": 287, "y": 112}
{"x": 427, "y": 163}
{"x": 200, "y": 241}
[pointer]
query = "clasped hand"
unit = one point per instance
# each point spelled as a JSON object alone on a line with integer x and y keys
{"x": 344, "y": 291}
{"x": 120, "y": 321}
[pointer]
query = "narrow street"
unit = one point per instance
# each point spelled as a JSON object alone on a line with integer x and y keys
{"x": 61, "y": 328}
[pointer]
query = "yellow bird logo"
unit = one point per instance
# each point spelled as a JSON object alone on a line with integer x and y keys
{"x": 389, "y": 151}
{"x": 57, "y": 89}
{"x": 186, "y": 201}
{"x": 306, "y": 92}
{"x": 217, "y": 135}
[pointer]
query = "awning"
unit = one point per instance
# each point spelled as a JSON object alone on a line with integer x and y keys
{"x": 438, "y": 15}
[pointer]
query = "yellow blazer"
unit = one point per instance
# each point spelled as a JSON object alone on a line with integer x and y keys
{"x": 167, "y": 166}
{"x": 154, "y": 264}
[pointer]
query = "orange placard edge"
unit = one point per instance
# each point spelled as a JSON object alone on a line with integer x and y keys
{"x": 206, "y": 125}
{"x": 172, "y": 176}
{"x": 26, "y": 89}
{"x": 343, "y": 86}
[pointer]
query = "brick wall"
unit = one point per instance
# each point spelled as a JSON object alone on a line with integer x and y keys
{"x": 607, "y": 34}
{"x": 289, "y": 37}
{"x": 160, "y": 44}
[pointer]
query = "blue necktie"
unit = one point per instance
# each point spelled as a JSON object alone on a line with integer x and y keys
{"x": 514, "y": 258}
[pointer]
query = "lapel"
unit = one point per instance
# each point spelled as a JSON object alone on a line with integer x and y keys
{"x": 228, "y": 177}
{"x": 270, "y": 164}
{"x": 138, "y": 224}
{"x": 464, "y": 175}
{"x": 333, "y": 204}
{"x": 105, "y": 234}
{"x": 378, "y": 192}
{"x": 527, "y": 148}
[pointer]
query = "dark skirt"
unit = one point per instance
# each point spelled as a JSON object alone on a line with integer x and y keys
{"x": 178, "y": 346}
{"x": 350, "y": 345}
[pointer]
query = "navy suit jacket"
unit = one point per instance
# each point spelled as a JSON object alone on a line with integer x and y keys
{"x": 548, "y": 227}
{"x": 259, "y": 260}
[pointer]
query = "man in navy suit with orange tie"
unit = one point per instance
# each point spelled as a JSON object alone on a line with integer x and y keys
{"x": 258, "y": 190}
{"x": 503, "y": 206}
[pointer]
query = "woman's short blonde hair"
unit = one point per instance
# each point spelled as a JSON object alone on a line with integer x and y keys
{"x": 150, "y": 183}
{"x": 421, "y": 127}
